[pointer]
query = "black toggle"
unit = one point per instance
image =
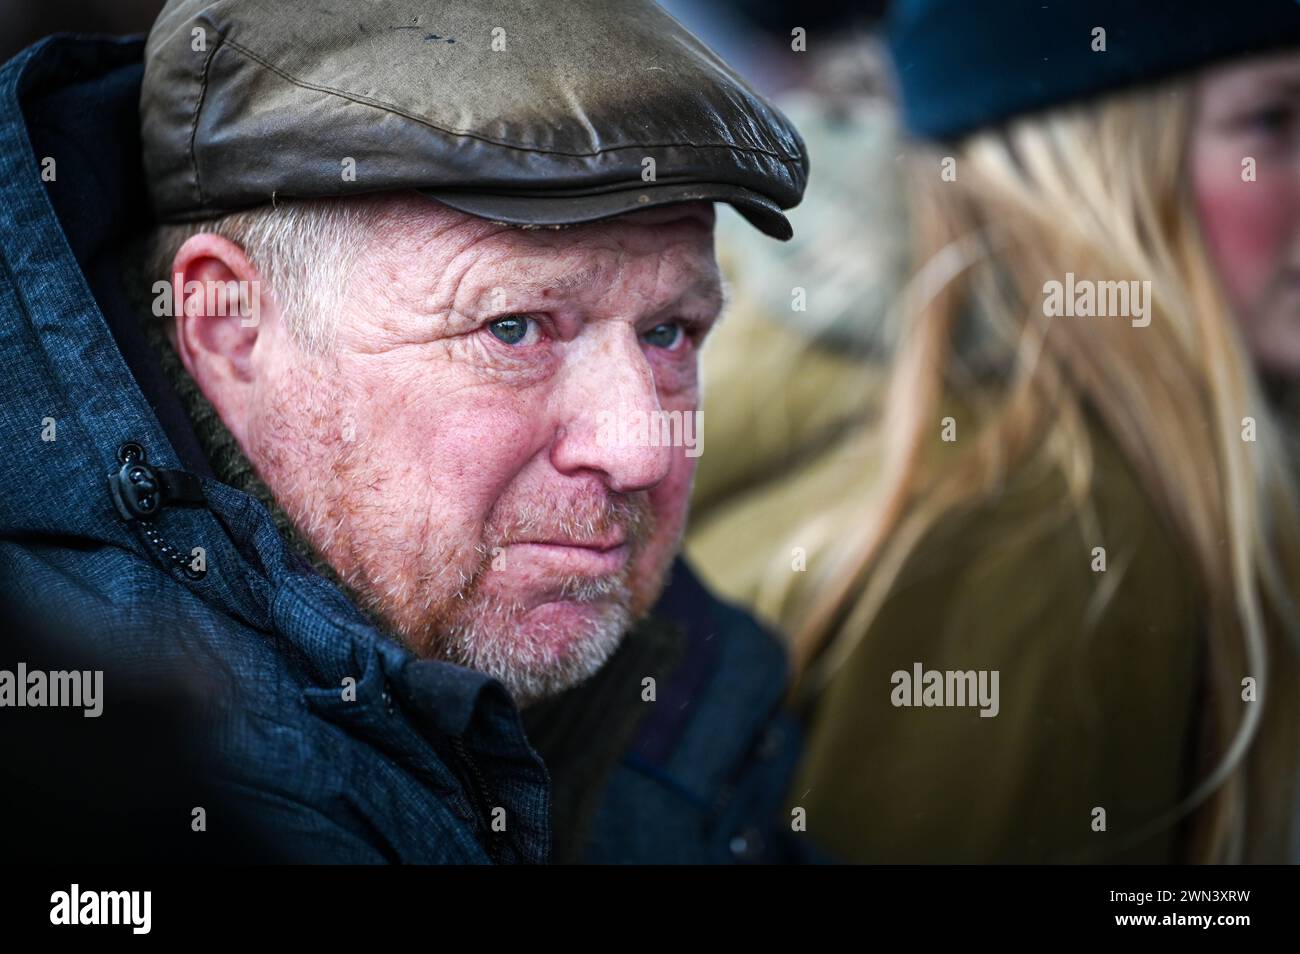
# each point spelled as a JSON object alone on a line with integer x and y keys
{"x": 140, "y": 490}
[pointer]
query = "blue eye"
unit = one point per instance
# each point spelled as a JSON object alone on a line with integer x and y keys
{"x": 664, "y": 335}
{"x": 511, "y": 329}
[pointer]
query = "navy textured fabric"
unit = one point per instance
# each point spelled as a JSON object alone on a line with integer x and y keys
{"x": 412, "y": 767}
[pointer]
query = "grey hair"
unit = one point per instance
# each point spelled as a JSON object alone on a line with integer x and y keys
{"x": 305, "y": 250}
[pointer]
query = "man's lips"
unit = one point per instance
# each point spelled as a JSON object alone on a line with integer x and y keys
{"x": 598, "y": 545}
{"x": 594, "y": 557}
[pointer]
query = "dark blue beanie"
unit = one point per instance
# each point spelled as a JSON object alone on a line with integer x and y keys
{"x": 963, "y": 64}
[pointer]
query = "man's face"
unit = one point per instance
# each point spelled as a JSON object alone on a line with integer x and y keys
{"x": 447, "y": 457}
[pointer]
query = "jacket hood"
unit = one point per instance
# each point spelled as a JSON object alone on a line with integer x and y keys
{"x": 71, "y": 198}
{"x": 78, "y": 368}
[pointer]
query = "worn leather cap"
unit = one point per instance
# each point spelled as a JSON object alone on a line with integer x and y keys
{"x": 543, "y": 113}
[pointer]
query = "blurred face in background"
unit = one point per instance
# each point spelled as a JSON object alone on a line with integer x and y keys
{"x": 1245, "y": 167}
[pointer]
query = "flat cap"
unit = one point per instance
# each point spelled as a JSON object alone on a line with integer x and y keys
{"x": 531, "y": 112}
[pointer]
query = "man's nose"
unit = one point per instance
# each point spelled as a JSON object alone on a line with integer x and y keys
{"x": 609, "y": 413}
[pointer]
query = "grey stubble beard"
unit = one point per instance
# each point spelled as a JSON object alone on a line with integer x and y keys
{"x": 405, "y": 595}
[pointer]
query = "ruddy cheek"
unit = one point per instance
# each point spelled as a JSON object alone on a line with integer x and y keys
{"x": 1248, "y": 227}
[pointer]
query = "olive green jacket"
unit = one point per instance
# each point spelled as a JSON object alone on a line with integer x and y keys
{"x": 1097, "y": 670}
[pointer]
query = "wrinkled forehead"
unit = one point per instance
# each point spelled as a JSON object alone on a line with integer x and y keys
{"x": 654, "y": 257}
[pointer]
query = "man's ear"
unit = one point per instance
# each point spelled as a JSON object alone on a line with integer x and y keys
{"x": 220, "y": 324}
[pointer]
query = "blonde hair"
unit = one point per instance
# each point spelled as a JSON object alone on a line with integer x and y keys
{"x": 1101, "y": 190}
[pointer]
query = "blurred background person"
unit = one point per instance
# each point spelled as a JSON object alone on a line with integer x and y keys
{"x": 1100, "y": 510}
{"x": 800, "y": 374}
